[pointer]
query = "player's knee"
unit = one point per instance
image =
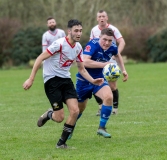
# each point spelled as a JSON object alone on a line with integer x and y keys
{"x": 74, "y": 112}
{"x": 108, "y": 99}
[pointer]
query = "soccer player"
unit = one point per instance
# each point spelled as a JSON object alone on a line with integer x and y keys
{"x": 52, "y": 34}
{"x": 58, "y": 85}
{"x": 97, "y": 54}
{"x": 102, "y": 20}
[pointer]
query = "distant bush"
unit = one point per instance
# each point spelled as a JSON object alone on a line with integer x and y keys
{"x": 157, "y": 46}
{"x": 136, "y": 42}
{"x": 8, "y": 28}
{"x": 27, "y": 45}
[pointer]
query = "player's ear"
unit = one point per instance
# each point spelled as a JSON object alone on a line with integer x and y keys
{"x": 69, "y": 30}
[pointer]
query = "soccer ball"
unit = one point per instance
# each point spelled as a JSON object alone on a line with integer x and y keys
{"x": 111, "y": 72}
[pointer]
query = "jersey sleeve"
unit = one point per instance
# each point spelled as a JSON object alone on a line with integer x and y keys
{"x": 55, "y": 47}
{"x": 63, "y": 34}
{"x": 44, "y": 42}
{"x": 117, "y": 33}
{"x": 90, "y": 48}
{"x": 91, "y": 34}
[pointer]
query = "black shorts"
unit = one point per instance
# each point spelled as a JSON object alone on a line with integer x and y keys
{"x": 58, "y": 90}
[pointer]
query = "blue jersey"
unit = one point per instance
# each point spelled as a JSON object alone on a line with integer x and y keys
{"x": 94, "y": 50}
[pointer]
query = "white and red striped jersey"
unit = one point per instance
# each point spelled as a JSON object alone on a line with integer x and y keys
{"x": 96, "y": 31}
{"x": 63, "y": 55}
{"x": 49, "y": 37}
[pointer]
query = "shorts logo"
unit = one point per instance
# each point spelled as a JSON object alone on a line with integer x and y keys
{"x": 87, "y": 48}
{"x": 55, "y": 105}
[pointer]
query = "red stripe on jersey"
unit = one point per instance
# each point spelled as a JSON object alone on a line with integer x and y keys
{"x": 69, "y": 43}
{"x": 79, "y": 56}
{"x": 49, "y": 52}
{"x": 59, "y": 51}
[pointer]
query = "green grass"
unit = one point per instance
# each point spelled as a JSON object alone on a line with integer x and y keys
{"x": 139, "y": 131}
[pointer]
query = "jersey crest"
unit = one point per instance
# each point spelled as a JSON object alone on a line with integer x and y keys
{"x": 87, "y": 48}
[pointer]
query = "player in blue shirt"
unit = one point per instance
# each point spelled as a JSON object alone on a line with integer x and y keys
{"x": 97, "y": 54}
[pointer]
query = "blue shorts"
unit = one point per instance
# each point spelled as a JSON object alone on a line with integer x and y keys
{"x": 85, "y": 89}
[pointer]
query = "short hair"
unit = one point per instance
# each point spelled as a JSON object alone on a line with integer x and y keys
{"x": 101, "y": 11}
{"x": 107, "y": 31}
{"x": 49, "y": 18}
{"x": 73, "y": 22}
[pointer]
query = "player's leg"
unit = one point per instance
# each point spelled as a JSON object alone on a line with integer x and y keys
{"x": 99, "y": 101}
{"x": 72, "y": 105}
{"x": 56, "y": 113}
{"x": 106, "y": 95}
{"x": 81, "y": 106}
{"x": 84, "y": 92}
{"x": 70, "y": 98}
{"x": 113, "y": 86}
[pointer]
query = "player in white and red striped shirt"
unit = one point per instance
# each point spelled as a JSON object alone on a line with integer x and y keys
{"x": 102, "y": 19}
{"x": 59, "y": 88}
{"x": 52, "y": 34}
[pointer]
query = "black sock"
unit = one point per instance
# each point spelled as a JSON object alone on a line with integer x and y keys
{"x": 115, "y": 98}
{"x": 66, "y": 132}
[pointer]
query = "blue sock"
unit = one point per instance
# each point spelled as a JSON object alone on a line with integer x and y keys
{"x": 79, "y": 115}
{"x": 105, "y": 114}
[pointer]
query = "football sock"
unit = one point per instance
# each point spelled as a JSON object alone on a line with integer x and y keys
{"x": 66, "y": 132}
{"x": 50, "y": 114}
{"x": 115, "y": 98}
{"x": 105, "y": 114}
{"x": 79, "y": 115}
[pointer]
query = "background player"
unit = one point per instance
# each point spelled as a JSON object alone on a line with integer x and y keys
{"x": 102, "y": 20}
{"x": 52, "y": 34}
{"x": 59, "y": 88}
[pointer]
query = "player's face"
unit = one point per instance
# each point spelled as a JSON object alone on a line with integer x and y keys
{"x": 51, "y": 24}
{"x": 75, "y": 33}
{"x": 105, "y": 41}
{"x": 102, "y": 18}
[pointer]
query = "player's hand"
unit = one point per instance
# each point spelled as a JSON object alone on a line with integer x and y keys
{"x": 98, "y": 81}
{"x": 125, "y": 74}
{"x": 27, "y": 84}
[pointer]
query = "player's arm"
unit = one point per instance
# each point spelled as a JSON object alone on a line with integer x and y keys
{"x": 28, "y": 83}
{"x": 89, "y": 63}
{"x": 120, "y": 62}
{"x": 121, "y": 44}
{"x": 86, "y": 75}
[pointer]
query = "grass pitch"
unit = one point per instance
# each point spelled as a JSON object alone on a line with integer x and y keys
{"x": 139, "y": 130}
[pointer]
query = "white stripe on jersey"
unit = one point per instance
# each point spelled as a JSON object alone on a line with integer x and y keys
{"x": 63, "y": 55}
{"x": 96, "y": 31}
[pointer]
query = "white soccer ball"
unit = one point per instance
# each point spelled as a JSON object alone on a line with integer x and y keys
{"x": 111, "y": 72}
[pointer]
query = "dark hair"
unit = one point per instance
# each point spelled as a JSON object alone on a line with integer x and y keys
{"x": 49, "y": 18}
{"x": 107, "y": 31}
{"x": 101, "y": 11}
{"x": 73, "y": 22}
